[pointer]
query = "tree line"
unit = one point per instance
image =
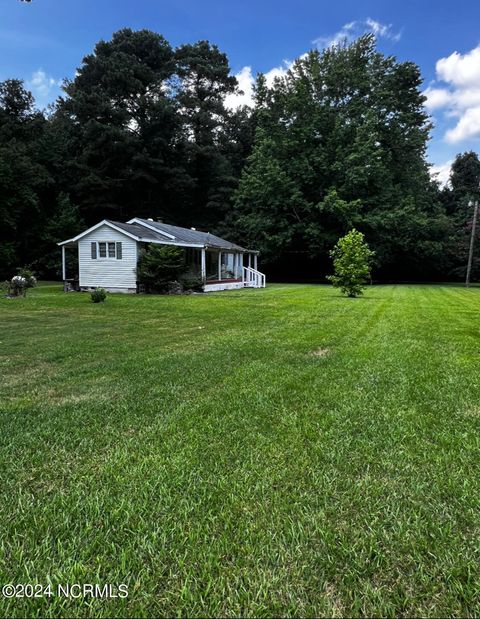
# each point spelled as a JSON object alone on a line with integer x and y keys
{"x": 144, "y": 130}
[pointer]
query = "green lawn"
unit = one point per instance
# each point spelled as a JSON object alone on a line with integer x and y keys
{"x": 284, "y": 451}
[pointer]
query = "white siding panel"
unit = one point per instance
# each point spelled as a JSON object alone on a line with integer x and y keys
{"x": 108, "y": 273}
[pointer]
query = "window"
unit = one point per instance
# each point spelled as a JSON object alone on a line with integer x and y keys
{"x": 106, "y": 250}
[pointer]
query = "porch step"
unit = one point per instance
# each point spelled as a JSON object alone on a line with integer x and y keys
{"x": 253, "y": 278}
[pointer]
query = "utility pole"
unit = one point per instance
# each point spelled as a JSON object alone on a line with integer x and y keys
{"x": 472, "y": 240}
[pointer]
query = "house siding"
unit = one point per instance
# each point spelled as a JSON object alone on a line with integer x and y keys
{"x": 112, "y": 274}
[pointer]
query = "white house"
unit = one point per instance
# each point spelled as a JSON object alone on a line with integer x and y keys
{"x": 108, "y": 254}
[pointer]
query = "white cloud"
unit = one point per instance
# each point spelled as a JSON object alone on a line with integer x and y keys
{"x": 468, "y": 127}
{"x": 348, "y": 33}
{"x": 436, "y": 98}
{"x": 44, "y": 88}
{"x": 460, "y": 70}
{"x": 441, "y": 172}
{"x": 246, "y": 81}
{"x": 460, "y": 98}
{"x": 281, "y": 71}
{"x": 383, "y": 30}
{"x": 354, "y": 29}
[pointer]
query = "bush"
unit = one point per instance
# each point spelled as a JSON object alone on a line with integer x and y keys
{"x": 18, "y": 286}
{"x": 98, "y": 295}
{"x": 28, "y": 276}
{"x": 351, "y": 261}
{"x": 192, "y": 284}
{"x": 159, "y": 266}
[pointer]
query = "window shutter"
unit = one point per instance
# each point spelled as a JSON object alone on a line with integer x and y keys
{"x": 119, "y": 251}
{"x": 94, "y": 250}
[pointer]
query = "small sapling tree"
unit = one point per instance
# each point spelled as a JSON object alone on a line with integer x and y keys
{"x": 351, "y": 262}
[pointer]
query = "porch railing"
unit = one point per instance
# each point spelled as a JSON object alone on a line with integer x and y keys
{"x": 253, "y": 278}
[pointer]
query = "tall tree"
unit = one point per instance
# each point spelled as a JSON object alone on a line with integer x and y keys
{"x": 148, "y": 131}
{"x": 203, "y": 82}
{"x": 346, "y": 132}
{"x": 122, "y": 126}
{"x": 22, "y": 178}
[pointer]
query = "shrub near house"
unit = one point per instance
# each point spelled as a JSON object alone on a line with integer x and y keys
{"x": 98, "y": 295}
{"x": 159, "y": 266}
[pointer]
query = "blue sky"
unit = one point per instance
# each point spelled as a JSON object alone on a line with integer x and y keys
{"x": 44, "y": 41}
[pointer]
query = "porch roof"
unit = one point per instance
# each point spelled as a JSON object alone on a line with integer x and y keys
{"x": 187, "y": 235}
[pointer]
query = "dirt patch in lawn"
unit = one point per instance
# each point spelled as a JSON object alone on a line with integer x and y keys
{"x": 320, "y": 352}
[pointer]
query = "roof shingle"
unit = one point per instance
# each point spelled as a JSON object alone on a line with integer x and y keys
{"x": 185, "y": 235}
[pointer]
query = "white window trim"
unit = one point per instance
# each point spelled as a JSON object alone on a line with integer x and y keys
{"x": 107, "y": 257}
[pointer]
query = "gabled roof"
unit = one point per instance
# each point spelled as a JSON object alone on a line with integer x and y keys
{"x": 141, "y": 232}
{"x": 149, "y": 231}
{"x": 105, "y": 222}
{"x": 187, "y": 235}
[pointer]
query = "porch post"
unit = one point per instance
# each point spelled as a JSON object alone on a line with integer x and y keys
{"x": 255, "y": 261}
{"x": 64, "y": 270}
{"x": 249, "y": 260}
{"x": 219, "y": 266}
{"x": 203, "y": 266}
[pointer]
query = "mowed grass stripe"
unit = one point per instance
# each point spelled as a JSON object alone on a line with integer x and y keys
{"x": 196, "y": 449}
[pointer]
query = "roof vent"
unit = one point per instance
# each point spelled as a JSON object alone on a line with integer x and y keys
{"x": 149, "y": 219}
{"x": 160, "y": 221}
{"x": 192, "y": 228}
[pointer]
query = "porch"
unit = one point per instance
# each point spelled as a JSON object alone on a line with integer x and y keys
{"x": 225, "y": 270}
{"x": 70, "y": 268}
